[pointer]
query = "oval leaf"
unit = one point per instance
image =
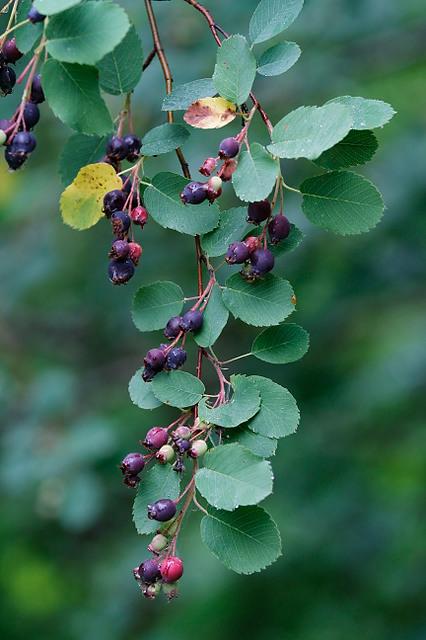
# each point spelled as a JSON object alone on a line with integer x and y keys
{"x": 281, "y": 345}
{"x": 257, "y": 444}
{"x": 256, "y": 174}
{"x": 278, "y": 416}
{"x": 167, "y": 137}
{"x": 78, "y": 151}
{"x": 154, "y": 304}
{"x": 141, "y": 393}
{"x": 215, "y": 318}
{"x": 235, "y": 69}
{"x": 121, "y": 69}
{"x": 210, "y": 113}
{"x": 367, "y": 114}
{"x": 184, "y": 95}
{"x": 232, "y": 225}
{"x": 272, "y": 17}
{"x": 160, "y": 481}
{"x": 177, "y": 388}
{"x": 357, "y": 148}
{"x": 241, "y": 407}
{"x": 278, "y": 59}
{"x": 50, "y": 7}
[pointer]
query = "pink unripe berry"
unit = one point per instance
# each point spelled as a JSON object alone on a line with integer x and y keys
{"x": 227, "y": 169}
{"x": 171, "y": 569}
{"x": 135, "y": 252}
{"x": 208, "y": 166}
{"x": 139, "y": 215}
{"x": 198, "y": 449}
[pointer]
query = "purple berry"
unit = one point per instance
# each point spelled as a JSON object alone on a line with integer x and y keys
{"x": 176, "y": 358}
{"x": 155, "y": 359}
{"x": 34, "y": 16}
{"x": 148, "y": 374}
{"x": 120, "y": 271}
{"x": 120, "y": 221}
{"x": 191, "y": 321}
{"x": 132, "y": 464}
{"x": 31, "y": 114}
{"x": 116, "y": 148}
{"x": 162, "y": 510}
{"x": 148, "y": 571}
{"x": 114, "y": 201}
{"x": 119, "y": 250}
{"x": 278, "y": 228}
{"x": 182, "y": 445}
{"x": 14, "y": 159}
{"x": 7, "y": 80}
{"x": 182, "y": 432}
{"x": 23, "y": 142}
{"x": 258, "y": 211}
{"x": 173, "y": 329}
{"x": 131, "y": 481}
{"x": 237, "y": 253}
{"x": 133, "y": 144}
{"x": 156, "y": 438}
{"x": 262, "y": 261}
{"x": 10, "y": 51}
{"x": 228, "y": 148}
{"x": 194, "y": 193}
{"x": 4, "y": 126}
{"x": 37, "y": 94}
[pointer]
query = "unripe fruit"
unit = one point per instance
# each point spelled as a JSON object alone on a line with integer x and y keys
{"x": 10, "y": 51}
{"x": 171, "y": 569}
{"x": 34, "y": 16}
{"x": 155, "y": 438}
{"x": 252, "y": 243}
{"x": 31, "y": 114}
{"x": 208, "y": 166}
{"x": 278, "y": 228}
{"x": 155, "y": 359}
{"x": 170, "y": 589}
{"x": 214, "y": 188}
{"x": 7, "y": 80}
{"x": 139, "y": 215}
{"x": 133, "y": 144}
{"x": 119, "y": 250}
{"x": 116, "y": 148}
{"x": 3, "y": 137}
{"x": 165, "y": 454}
{"x": 151, "y": 591}
{"x": 194, "y": 193}
{"x": 262, "y": 261}
{"x": 237, "y": 253}
{"x": 162, "y": 510}
{"x": 258, "y": 211}
{"x": 176, "y": 358}
{"x": 227, "y": 169}
{"x": 37, "y": 94}
{"x": 173, "y": 329}
{"x": 191, "y": 321}
{"x": 132, "y": 464}
{"x": 149, "y": 571}
{"x": 228, "y": 148}
{"x": 135, "y": 252}
{"x": 120, "y": 271}
{"x": 158, "y": 543}
{"x": 198, "y": 449}
{"x": 182, "y": 432}
{"x": 120, "y": 224}
{"x": 114, "y": 201}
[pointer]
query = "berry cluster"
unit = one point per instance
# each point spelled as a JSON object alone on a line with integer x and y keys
{"x": 161, "y": 572}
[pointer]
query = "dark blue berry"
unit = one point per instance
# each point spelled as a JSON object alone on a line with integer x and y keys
{"x": 194, "y": 193}
{"x": 37, "y": 94}
{"x": 191, "y": 321}
{"x": 132, "y": 464}
{"x": 14, "y": 159}
{"x": 34, "y": 16}
{"x": 10, "y": 51}
{"x": 237, "y": 253}
{"x": 24, "y": 142}
{"x": 182, "y": 445}
{"x": 162, "y": 510}
{"x": 116, "y": 148}
{"x": 120, "y": 221}
{"x": 31, "y": 115}
{"x": 173, "y": 329}
{"x": 262, "y": 261}
{"x": 149, "y": 571}
{"x": 155, "y": 359}
{"x": 133, "y": 144}
{"x": 7, "y": 80}
{"x": 228, "y": 148}
{"x": 278, "y": 228}
{"x": 176, "y": 358}
{"x": 114, "y": 201}
{"x": 119, "y": 250}
{"x": 258, "y": 211}
{"x": 120, "y": 271}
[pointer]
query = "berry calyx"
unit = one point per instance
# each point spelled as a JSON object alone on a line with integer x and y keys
{"x": 120, "y": 224}
{"x": 114, "y": 201}
{"x": 10, "y": 51}
{"x": 156, "y": 438}
{"x": 258, "y": 211}
{"x": 135, "y": 252}
{"x": 176, "y": 358}
{"x": 7, "y": 80}
{"x": 198, "y": 449}
{"x": 158, "y": 543}
{"x": 34, "y": 16}
{"x": 262, "y": 261}
{"x": 237, "y": 253}
{"x": 133, "y": 144}
{"x": 31, "y": 114}
{"x": 119, "y": 250}
{"x": 162, "y": 510}
{"x": 132, "y": 464}
{"x": 165, "y": 454}
{"x": 173, "y": 329}
{"x": 194, "y": 193}
{"x": 171, "y": 569}
{"x": 120, "y": 271}
{"x": 37, "y": 94}
{"x": 139, "y": 215}
{"x": 117, "y": 149}
{"x": 229, "y": 148}
{"x": 191, "y": 321}
{"x": 149, "y": 571}
{"x": 278, "y": 228}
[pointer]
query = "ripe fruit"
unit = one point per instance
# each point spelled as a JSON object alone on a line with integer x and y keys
{"x": 156, "y": 438}
{"x": 176, "y": 358}
{"x": 10, "y": 51}
{"x": 158, "y": 543}
{"x": 155, "y": 359}
{"x": 182, "y": 445}
{"x": 37, "y": 94}
{"x": 120, "y": 271}
{"x": 191, "y": 321}
{"x": 262, "y": 261}
{"x": 120, "y": 224}
{"x": 24, "y": 142}
{"x": 198, "y": 449}
{"x": 162, "y": 510}
{"x": 14, "y": 159}
{"x": 31, "y": 114}
{"x": 208, "y": 166}
{"x": 171, "y": 569}
{"x": 34, "y": 16}
{"x": 114, "y": 201}
{"x": 165, "y": 454}
{"x": 119, "y": 250}
{"x": 132, "y": 464}
{"x": 182, "y": 432}
{"x": 139, "y": 215}
{"x": 173, "y": 329}
{"x": 228, "y": 148}
{"x": 237, "y": 253}
{"x": 194, "y": 193}
{"x": 133, "y": 144}
{"x": 278, "y": 228}
{"x": 149, "y": 571}
{"x": 117, "y": 149}
{"x": 7, "y": 80}
{"x": 258, "y": 211}
{"x": 252, "y": 243}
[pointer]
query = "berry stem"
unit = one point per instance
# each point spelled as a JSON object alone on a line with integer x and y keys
{"x": 150, "y": 57}
{"x": 16, "y": 26}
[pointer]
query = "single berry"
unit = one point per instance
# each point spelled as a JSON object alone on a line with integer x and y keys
{"x": 149, "y": 571}
{"x": 135, "y": 252}
{"x": 139, "y": 215}
{"x": 37, "y": 94}
{"x": 10, "y": 51}
{"x": 258, "y": 211}
{"x": 191, "y": 321}
{"x": 252, "y": 243}
{"x": 14, "y": 159}
{"x": 278, "y": 228}
{"x": 31, "y": 114}
{"x": 194, "y": 193}
{"x": 176, "y": 358}
{"x": 208, "y": 166}
{"x": 120, "y": 224}
{"x": 148, "y": 374}
{"x": 132, "y": 464}
{"x": 228, "y": 148}
{"x": 133, "y": 144}
{"x": 114, "y": 201}
{"x": 120, "y": 271}
{"x": 173, "y": 329}
{"x": 7, "y": 80}
{"x": 162, "y": 510}
{"x": 155, "y": 359}
{"x": 237, "y": 253}
{"x": 24, "y": 142}
{"x": 34, "y": 16}
{"x": 227, "y": 169}
{"x": 214, "y": 188}
{"x": 116, "y": 148}
{"x": 165, "y": 454}
{"x": 198, "y": 449}
{"x": 171, "y": 569}
{"x": 119, "y": 250}
{"x": 158, "y": 543}
{"x": 262, "y": 261}
{"x": 182, "y": 445}
{"x": 182, "y": 432}
{"x": 155, "y": 438}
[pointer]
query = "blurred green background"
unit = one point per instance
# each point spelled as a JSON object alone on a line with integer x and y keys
{"x": 349, "y": 485}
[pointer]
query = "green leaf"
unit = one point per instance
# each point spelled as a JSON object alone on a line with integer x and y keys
{"x": 342, "y": 202}
{"x": 367, "y": 114}
{"x": 278, "y": 59}
{"x": 214, "y": 319}
{"x": 243, "y": 405}
{"x": 27, "y": 35}
{"x": 232, "y": 476}
{"x": 278, "y": 416}
{"x": 308, "y": 131}
{"x": 281, "y": 345}
{"x": 50, "y": 7}
{"x": 184, "y": 95}
{"x": 232, "y": 225}
{"x": 246, "y": 540}
{"x": 272, "y": 17}
{"x": 86, "y": 33}
{"x": 257, "y": 444}
{"x": 72, "y": 92}
{"x": 235, "y": 69}
{"x": 141, "y": 393}
{"x": 177, "y": 388}
{"x": 154, "y": 304}
{"x": 256, "y": 174}
{"x": 163, "y": 203}
{"x": 357, "y": 148}
{"x": 160, "y": 481}
{"x": 80, "y": 150}
{"x": 262, "y": 303}
{"x": 167, "y": 137}
{"x": 290, "y": 243}
{"x": 120, "y": 70}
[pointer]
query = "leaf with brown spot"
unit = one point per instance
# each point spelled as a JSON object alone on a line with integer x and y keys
{"x": 210, "y": 113}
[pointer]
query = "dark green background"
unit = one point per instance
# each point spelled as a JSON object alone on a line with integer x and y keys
{"x": 349, "y": 484}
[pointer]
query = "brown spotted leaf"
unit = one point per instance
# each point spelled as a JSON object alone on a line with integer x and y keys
{"x": 210, "y": 113}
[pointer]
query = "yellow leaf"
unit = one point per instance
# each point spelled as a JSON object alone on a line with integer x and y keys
{"x": 81, "y": 202}
{"x": 210, "y": 113}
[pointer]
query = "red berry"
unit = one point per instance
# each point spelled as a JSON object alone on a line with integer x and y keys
{"x": 227, "y": 169}
{"x": 139, "y": 215}
{"x": 208, "y": 166}
{"x": 171, "y": 569}
{"x": 135, "y": 252}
